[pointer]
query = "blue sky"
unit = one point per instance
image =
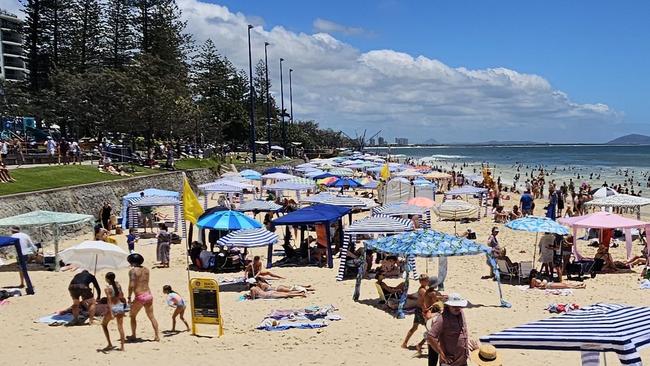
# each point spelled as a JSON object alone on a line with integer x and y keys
{"x": 595, "y": 51}
{"x": 547, "y": 71}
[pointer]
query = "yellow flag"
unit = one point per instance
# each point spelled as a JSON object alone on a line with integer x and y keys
{"x": 385, "y": 172}
{"x": 191, "y": 207}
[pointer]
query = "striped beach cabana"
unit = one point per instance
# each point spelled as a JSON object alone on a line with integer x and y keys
{"x": 600, "y": 328}
{"x": 157, "y": 201}
{"x": 371, "y": 225}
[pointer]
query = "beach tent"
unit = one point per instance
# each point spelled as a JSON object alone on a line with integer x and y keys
{"x": 275, "y": 170}
{"x": 278, "y": 176}
{"x": 605, "y": 220}
{"x": 157, "y": 201}
{"x": 149, "y": 192}
{"x": 251, "y": 238}
{"x": 7, "y": 241}
{"x": 424, "y": 188}
{"x": 372, "y": 226}
{"x": 259, "y": 205}
{"x": 316, "y": 198}
{"x": 52, "y": 219}
{"x": 405, "y": 209}
{"x": 223, "y": 186}
{"x": 426, "y": 243}
{"x": 397, "y": 190}
{"x": 250, "y": 174}
{"x": 624, "y": 201}
{"x": 599, "y": 328}
{"x": 312, "y": 215}
{"x": 342, "y": 172}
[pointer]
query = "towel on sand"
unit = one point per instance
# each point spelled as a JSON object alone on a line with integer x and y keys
{"x": 55, "y": 319}
{"x": 306, "y": 318}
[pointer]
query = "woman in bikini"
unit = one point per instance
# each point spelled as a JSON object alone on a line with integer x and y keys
{"x": 116, "y": 309}
{"x": 255, "y": 270}
{"x": 139, "y": 285}
{"x": 533, "y": 282}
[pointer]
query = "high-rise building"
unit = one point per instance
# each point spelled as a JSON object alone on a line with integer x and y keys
{"x": 371, "y": 142}
{"x": 381, "y": 141}
{"x": 12, "y": 54}
{"x": 401, "y": 141}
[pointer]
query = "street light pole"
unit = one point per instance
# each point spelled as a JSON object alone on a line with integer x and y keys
{"x": 284, "y": 127}
{"x": 252, "y": 95}
{"x": 290, "y": 98}
{"x": 268, "y": 99}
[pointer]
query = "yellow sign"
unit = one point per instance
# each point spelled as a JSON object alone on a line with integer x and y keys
{"x": 205, "y": 303}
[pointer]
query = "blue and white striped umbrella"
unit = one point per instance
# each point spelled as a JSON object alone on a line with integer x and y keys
{"x": 379, "y": 224}
{"x": 228, "y": 220}
{"x": 317, "y": 198}
{"x": 536, "y": 224}
{"x": 342, "y": 172}
{"x": 344, "y": 201}
{"x": 599, "y": 328}
{"x": 314, "y": 173}
{"x": 259, "y": 205}
{"x": 398, "y": 209}
{"x": 249, "y": 238}
{"x": 288, "y": 185}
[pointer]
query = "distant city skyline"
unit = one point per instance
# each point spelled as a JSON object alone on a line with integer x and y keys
{"x": 449, "y": 71}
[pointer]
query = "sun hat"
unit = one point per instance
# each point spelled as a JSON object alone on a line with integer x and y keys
{"x": 486, "y": 355}
{"x": 455, "y": 299}
{"x": 135, "y": 259}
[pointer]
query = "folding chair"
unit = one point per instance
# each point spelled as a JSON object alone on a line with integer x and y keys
{"x": 524, "y": 270}
{"x": 506, "y": 270}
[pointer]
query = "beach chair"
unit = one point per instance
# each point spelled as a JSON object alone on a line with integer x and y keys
{"x": 382, "y": 298}
{"x": 525, "y": 268}
{"x": 506, "y": 270}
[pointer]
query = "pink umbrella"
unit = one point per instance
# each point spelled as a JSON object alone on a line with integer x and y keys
{"x": 421, "y": 202}
{"x": 605, "y": 220}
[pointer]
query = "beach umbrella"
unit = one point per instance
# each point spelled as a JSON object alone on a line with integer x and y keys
{"x": 95, "y": 255}
{"x": 408, "y": 173}
{"x": 536, "y": 224}
{"x": 603, "y": 192}
{"x": 437, "y": 175}
{"x": 316, "y": 198}
{"x": 324, "y": 175}
{"x": 249, "y": 238}
{"x": 275, "y": 170}
{"x": 227, "y": 220}
{"x": 288, "y": 185}
{"x": 455, "y": 210}
{"x": 251, "y": 174}
{"x": 421, "y": 202}
{"x": 344, "y": 201}
{"x": 345, "y": 182}
{"x": 259, "y": 205}
{"x": 342, "y": 172}
{"x": 617, "y": 328}
{"x": 278, "y": 176}
{"x": 306, "y": 165}
{"x": 327, "y": 181}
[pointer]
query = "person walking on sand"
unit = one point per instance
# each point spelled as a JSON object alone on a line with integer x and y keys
{"x": 419, "y": 310}
{"x": 448, "y": 335}
{"x": 139, "y": 285}
{"x": 116, "y": 309}
{"x": 176, "y": 301}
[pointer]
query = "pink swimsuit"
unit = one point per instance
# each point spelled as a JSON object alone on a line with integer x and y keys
{"x": 144, "y": 298}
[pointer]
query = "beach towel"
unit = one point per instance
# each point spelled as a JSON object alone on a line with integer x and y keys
{"x": 644, "y": 285}
{"x": 306, "y": 318}
{"x": 562, "y": 308}
{"x": 558, "y": 292}
{"x": 56, "y": 319}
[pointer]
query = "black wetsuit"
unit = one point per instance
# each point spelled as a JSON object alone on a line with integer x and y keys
{"x": 80, "y": 286}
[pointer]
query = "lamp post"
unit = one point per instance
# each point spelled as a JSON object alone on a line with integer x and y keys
{"x": 252, "y": 94}
{"x": 284, "y": 127}
{"x": 268, "y": 99}
{"x": 290, "y": 98}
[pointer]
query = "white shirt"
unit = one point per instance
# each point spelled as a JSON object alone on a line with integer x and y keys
{"x": 26, "y": 243}
{"x": 3, "y": 147}
{"x": 74, "y": 146}
{"x": 51, "y": 145}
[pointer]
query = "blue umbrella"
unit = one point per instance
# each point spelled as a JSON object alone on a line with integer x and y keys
{"x": 276, "y": 170}
{"x": 427, "y": 243}
{"x": 536, "y": 224}
{"x": 251, "y": 174}
{"x": 346, "y": 182}
{"x": 228, "y": 220}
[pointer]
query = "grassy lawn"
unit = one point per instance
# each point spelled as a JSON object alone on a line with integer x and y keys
{"x": 38, "y": 178}
{"x": 192, "y": 163}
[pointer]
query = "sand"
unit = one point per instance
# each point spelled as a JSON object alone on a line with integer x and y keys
{"x": 368, "y": 335}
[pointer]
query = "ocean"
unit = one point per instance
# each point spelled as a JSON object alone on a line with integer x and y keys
{"x": 564, "y": 162}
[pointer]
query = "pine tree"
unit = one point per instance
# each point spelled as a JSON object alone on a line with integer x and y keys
{"x": 57, "y": 25}
{"x": 119, "y": 40}
{"x": 37, "y": 60}
{"x": 85, "y": 34}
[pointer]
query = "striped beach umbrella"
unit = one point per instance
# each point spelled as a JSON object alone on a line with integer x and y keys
{"x": 456, "y": 210}
{"x": 228, "y": 220}
{"x": 259, "y": 205}
{"x": 536, "y": 224}
{"x": 249, "y": 238}
{"x": 344, "y": 201}
{"x": 614, "y": 328}
{"x": 342, "y": 172}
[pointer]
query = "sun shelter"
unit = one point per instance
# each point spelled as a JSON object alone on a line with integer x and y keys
{"x": 371, "y": 225}
{"x": 259, "y": 206}
{"x": 223, "y": 186}
{"x": 149, "y": 192}
{"x": 624, "y": 201}
{"x": 54, "y": 220}
{"x": 470, "y": 190}
{"x": 397, "y": 190}
{"x": 404, "y": 209}
{"x": 313, "y": 215}
{"x": 605, "y": 220}
{"x": 157, "y": 201}
{"x": 278, "y": 175}
{"x": 592, "y": 330}
{"x": 427, "y": 243}
{"x": 7, "y": 241}
{"x": 251, "y": 238}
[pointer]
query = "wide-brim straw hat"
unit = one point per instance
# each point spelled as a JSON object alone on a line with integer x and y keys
{"x": 486, "y": 355}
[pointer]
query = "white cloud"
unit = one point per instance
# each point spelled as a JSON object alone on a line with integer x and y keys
{"x": 328, "y": 26}
{"x": 416, "y": 97}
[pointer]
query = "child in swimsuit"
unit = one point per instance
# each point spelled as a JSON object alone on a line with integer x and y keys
{"x": 117, "y": 305}
{"x": 176, "y": 301}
